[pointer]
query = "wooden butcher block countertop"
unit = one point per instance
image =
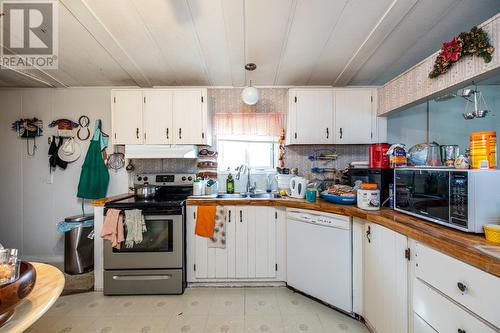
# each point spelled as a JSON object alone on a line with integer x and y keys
{"x": 463, "y": 246}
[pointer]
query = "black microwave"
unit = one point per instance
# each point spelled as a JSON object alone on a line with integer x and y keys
{"x": 461, "y": 199}
{"x": 384, "y": 178}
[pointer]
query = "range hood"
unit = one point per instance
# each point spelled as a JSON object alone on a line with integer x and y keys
{"x": 160, "y": 151}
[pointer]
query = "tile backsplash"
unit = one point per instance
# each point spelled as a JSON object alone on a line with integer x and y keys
{"x": 297, "y": 156}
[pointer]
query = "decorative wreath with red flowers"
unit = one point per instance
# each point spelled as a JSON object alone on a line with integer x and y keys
{"x": 476, "y": 42}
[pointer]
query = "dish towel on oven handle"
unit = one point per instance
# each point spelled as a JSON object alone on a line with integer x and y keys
{"x": 134, "y": 221}
{"x": 218, "y": 240}
{"x": 112, "y": 228}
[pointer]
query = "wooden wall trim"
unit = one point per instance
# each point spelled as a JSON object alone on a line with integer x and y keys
{"x": 414, "y": 85}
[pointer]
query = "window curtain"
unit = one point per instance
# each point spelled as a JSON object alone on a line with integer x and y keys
{"x": 246, "y": 123}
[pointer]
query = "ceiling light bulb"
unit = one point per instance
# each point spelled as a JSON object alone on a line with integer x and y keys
{"x": 250, "y": 95}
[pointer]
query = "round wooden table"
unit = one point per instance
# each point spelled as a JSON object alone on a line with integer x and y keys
{"x": 48, "y": 286}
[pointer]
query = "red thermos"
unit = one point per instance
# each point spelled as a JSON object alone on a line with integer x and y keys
{"x": 378, "y": 155}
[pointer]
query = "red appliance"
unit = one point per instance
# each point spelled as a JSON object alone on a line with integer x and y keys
{"x": 378, "y": 155}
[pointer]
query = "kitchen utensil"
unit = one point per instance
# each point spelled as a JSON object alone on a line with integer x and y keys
{"x": 449, "y": 154}
{"x": 298, "y": 187}
{"x": 311, "y": 194}
{"x": 116, "y": 161}
{"x": 338, "y": 199}
{"x": 424, "y": 154}
{"x": 283, "y": 181}
{"x": 145, "y": 191}
{"x": 211, "y": 186}
{"x": 130, "y": 167}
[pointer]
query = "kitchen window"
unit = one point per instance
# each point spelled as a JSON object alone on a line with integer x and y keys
{"x": 255, "y": 152}
{"x": 248, "y": 138}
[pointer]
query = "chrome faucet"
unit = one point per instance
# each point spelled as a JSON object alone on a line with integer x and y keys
{"x": 249, "y": 188}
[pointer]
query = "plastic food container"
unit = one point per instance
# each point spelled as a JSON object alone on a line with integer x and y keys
{"x": 492, "y": 233}
{"x": 378, "y": 155}
{"x": 198, "y": 187}
{"x": 483, "y": 150}
{"x": 368, "y": 197}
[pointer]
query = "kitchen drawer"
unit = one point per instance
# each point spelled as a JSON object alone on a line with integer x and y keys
{"x": 420, "y": 326}
{"x": 442, "y": 314}
{"x": 481, "y": 290}
{"x": 143, "y": 282}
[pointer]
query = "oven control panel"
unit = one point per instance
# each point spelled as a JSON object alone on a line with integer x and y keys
{"x": 164, "y": 179}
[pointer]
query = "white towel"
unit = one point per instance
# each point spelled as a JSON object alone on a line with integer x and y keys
{"x": 134, "y": 221}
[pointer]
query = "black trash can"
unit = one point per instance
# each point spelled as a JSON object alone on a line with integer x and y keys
{"x": 79, "y": 244}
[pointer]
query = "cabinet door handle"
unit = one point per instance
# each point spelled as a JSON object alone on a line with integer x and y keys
{"x": 295, "y": 135}
{"x": 461, "y": 331}
{"x": 137, "y": 132}
{"x": 369, "y": 234}
{"x": 241, "y": 216}
{"x": 341, "y": 133}
{"x": 180, "y": 133}
{"x": 229, "y": 213}
{"x": 167, "y": 133}
{"x": 462, "y": 287}
{"x": 327, "y": 133}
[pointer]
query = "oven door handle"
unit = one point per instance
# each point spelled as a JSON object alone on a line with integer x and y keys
{"x": 142, "y": 277}
{"x": 160, "y": 217}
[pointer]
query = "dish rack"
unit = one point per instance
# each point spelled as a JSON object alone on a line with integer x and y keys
{"x": 321, "y": 164}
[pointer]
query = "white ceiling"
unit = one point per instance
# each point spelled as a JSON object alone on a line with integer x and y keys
{"x": 207, "y": 42}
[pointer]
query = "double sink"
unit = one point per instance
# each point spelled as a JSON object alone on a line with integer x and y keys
{"x": 244, "y": 196}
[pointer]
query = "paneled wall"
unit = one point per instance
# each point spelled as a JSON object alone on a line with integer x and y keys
{"x": 30, "y": 203}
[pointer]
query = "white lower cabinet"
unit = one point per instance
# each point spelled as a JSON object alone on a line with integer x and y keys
{"x": 442, "y": 314}
{"x": 254, "y": 247}
{"x": 420, "y": 326}
{"x": 452, "y": 296}
{"x": 385, "y": 276}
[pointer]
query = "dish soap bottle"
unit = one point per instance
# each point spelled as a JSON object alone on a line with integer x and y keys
{"x": 230, "y": 184}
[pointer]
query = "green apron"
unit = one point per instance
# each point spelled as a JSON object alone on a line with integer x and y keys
{"x": 94, "y": 178}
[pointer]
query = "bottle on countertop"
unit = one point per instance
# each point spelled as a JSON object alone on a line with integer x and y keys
{"x": 198, "y": 187}
{"x": 230, "y": 184}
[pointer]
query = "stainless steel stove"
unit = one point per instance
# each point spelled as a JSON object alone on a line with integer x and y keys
{"x": 157, "y": 264}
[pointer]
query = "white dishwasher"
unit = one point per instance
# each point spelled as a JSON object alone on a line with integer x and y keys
{"x": 319, "y": 256}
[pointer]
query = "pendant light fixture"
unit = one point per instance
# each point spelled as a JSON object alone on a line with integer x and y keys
{"x": 250, "y": 95}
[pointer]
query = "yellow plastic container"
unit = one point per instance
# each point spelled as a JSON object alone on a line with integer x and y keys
{"x": 483, "y": 150}
{"x": 492, "y": 233}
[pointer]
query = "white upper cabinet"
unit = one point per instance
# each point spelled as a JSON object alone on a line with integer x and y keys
{"x": 157, "y": 116}
{"x": 126, "y": 115}
{"x": 353, "y": 116}
{"x": 334, "y": 116}
{"x": 160, "y": 116}
{"x": 190, "y": 116}
{"x": 310, "y": 118}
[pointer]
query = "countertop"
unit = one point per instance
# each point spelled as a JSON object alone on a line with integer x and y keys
{"x": 48, "y": 286}
{"x": 461, "y": 245}
{"x": 103, "y": 201}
